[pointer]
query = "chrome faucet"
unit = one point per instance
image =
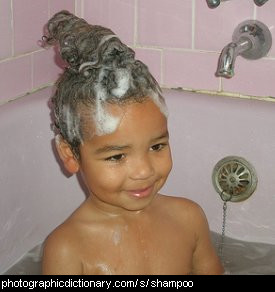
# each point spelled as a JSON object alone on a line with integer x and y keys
{"x": 216, "y": 3}
{"x": 228, "y": 56}
{"x": 251, "y": 39}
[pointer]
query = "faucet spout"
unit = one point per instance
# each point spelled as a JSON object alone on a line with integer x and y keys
{"x": 228, "y": 56}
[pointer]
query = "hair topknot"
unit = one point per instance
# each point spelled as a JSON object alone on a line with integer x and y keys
{"x": 81, "y": 43}
{"x": 100, "y": 69}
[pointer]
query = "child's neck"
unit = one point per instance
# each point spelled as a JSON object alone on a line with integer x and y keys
{"x": 110, "y": 210}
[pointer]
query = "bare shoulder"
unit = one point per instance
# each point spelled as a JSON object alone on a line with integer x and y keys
{"x": 184, "y": 202}
{"x": 193, "y": 219}
{"x": 61, "y": 251}
{"x": 184, "y": 208}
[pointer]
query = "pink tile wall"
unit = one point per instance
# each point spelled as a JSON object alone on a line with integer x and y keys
{"x": 57, "y": 5}
{"x": 252, "y": 78}
{"x": 16, "y": 77}
{"x": 179, "y": 40}
{"x": 45, "y": 70}
{"x": 29, "y": 18}
{"x": 189, "y": 69}
{"x": 214, "y": 27}
{"x": 266, "y": 15}
{"x": 24, "y": 65}
{"x": 118, "y": 15}
{"x": 5, "y": 29}
{"x": 152, "y": 58}
{"x": 165, "y": 23}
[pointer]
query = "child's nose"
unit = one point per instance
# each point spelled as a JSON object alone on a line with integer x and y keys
{"x": 142, "y": 169}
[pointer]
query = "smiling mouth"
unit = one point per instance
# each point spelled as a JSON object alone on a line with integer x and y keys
{"x": 141, "y": 193}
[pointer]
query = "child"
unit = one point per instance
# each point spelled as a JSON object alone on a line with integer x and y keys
{"x": 112, "y": 123}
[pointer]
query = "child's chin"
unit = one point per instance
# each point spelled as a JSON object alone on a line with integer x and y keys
{"x": 138, "y": 204}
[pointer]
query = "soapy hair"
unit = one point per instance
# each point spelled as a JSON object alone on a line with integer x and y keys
{"x": 101, "y": 69}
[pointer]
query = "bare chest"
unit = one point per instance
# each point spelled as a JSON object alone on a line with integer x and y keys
{"x": 125, "y": 251}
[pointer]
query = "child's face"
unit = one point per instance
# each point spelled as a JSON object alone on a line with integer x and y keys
{"x": 124, "y": 170}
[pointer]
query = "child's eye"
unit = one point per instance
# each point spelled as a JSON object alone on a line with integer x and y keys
{"x": 158, "y": 147}
{"x": 115, "y": 158}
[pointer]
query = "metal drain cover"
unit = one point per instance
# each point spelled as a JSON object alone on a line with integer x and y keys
{"x": 234, "y": 179}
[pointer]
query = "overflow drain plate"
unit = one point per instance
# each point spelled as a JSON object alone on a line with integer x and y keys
{"x": 234, "y": 179}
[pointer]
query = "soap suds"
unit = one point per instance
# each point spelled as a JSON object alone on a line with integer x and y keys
{"x": 122, "y": 80}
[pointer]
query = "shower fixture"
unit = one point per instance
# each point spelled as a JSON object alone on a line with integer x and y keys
{"x": 251, "y": 39}
{"x": 215, "y": 3}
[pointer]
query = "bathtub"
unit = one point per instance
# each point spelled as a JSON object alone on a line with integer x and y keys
{"x": 37, "y": 194}
{"x": 238, "y": 258}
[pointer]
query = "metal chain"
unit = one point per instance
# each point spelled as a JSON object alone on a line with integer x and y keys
{"x": 225, "y": 198}
{"x": 223, "y": 230}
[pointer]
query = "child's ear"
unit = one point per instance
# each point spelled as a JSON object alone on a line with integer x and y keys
{"x": 65, "y": 153}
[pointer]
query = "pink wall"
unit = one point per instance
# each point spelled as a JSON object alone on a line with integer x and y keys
{"x": 24, "y": 65}
{"x": 179, "y": 40}
{"x": 33, "y": 188}
{"x": 204, "y": 129}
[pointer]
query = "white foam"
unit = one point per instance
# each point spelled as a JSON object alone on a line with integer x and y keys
{"x": 73, "y": 124}
{"x": 122, "y": 79}
{"x": 86, "y": 64}
{"x": 69, "y": 121}
{"x": 105, "y": 268}
{"x": 106, "y": 125}
{"x": 105, "y": 122}
{"x": 106, "y": 38}
{"x": 160, "y": 103}
{"x": 116, "y": 236}
{"x": 58, "y": 139}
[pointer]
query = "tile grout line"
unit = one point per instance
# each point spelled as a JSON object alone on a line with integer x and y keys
{"x": 12, "y": 30}
{"x": 135, "y": 23}
{"x": 193, "y": 24}
{"x": 255, "y": 12}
